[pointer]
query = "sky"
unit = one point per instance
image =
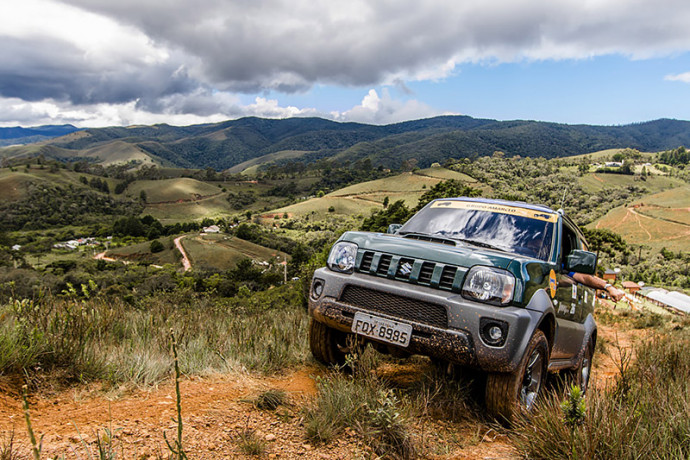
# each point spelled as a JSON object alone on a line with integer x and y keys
{"x": 95, "y": 63}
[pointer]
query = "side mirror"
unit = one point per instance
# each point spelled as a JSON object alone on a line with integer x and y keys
{"x": 581, "y": 262}
{"x": 393, "y": 228}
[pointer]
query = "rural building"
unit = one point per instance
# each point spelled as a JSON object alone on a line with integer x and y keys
{"x": 631, "y": 286}
{"x": 212, "y": 229}
{"x": 610, "y": 275}
{"x": 676, "y": 301}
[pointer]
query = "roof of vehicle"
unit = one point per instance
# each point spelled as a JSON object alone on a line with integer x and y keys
{"x": 520, "y": 204}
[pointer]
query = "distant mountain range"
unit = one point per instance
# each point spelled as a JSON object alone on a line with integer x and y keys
{"x": 239, "y": 143}
{"x": 18, "y": 135}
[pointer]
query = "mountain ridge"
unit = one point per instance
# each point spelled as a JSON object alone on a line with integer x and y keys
{"x": 229, "y": 143}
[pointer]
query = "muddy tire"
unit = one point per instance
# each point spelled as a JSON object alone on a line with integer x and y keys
{"x": 327, "y": 344}
{"x": 509, "y": 393}
{"x": 580, "y": 376}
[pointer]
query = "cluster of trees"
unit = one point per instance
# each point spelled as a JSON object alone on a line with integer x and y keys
{"x": 151, "y": 228}
{"x": 548, "y": 182}
{"x": 96, "y": 183}
{"x": 676, "y": 157}
{"x": 47, "y": 206}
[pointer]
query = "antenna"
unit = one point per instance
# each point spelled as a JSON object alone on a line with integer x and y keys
{"x": 563, "y": 199}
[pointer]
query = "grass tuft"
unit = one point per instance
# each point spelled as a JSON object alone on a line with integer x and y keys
{"x": 271, "y": 399}
{"x": 646, "y": 414}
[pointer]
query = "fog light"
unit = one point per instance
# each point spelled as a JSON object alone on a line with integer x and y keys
{"x": 317, "y": 289}
{"x": 495, "y": 333}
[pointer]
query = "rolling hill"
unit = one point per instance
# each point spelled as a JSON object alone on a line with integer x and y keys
{"x": 657, "y": 220}
{"x": 245, "y": 141}
{"x": 365, "y": 197}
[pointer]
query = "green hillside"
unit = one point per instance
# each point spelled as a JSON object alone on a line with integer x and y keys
{"x": 252, "y": 141}
{"x": 368, "y": 196}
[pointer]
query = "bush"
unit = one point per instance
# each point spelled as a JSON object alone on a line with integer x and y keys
{"x": 156, "y": 246}
{"x": 645, "y": 415}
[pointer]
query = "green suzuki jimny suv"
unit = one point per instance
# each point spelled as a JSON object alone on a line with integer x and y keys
{"x": 479, "y": 283}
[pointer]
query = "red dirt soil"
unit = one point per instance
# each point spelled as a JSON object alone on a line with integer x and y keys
{"x": 216, "y": 409}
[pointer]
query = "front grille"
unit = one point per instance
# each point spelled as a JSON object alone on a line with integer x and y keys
{"x": 367, "y": 258}
{"x": 447, "y": 277}
{"x": 426, "y": 272}
{"x": 395, "y": 305}
{"x": 384, "y": 264}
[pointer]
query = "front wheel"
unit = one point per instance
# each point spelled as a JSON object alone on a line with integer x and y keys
{"x": 328, "y": 345}
{"x": 509, "y": 393}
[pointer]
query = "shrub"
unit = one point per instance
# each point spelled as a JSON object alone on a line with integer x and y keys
{"x": 645, "y": 414}
{"x": 156, "y": 246}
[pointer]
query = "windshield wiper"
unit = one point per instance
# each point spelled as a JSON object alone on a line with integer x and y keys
{"x": 481, "y": 244}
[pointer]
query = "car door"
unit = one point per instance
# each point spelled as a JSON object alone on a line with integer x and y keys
{"x": 573, "y": 301}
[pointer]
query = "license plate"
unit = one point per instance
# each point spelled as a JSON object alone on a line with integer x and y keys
{"x": 382, "y": 329}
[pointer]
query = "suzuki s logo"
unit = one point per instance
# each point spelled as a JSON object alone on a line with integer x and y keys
{"x": 405, "y": 269}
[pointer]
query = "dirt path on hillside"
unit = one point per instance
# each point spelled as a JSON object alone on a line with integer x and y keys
{"x": 186, "y": 264}
{"x": 217, "y": 409}
{"x": 639, "y": 222}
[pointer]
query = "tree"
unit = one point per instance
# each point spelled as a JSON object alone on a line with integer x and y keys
{"x": 156, "y": 246}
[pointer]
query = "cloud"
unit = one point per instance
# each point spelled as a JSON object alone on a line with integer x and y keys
{"x": 381, "y": 110}
{"x": 289, "y": 46}
{"x": 682, "y": 77}
{"x": 201, "y": 106}
{"x": 176, "y": 57}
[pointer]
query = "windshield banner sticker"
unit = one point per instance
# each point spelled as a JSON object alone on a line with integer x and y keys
{"x": 498, "y": 208}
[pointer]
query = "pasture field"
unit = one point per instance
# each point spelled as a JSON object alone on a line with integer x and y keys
{"x": 639, "y": 226}
{"x": 365, "y": 197}
{"x": 118, "y": 152}
{"x": 250, "y": 166}
{"x": 171, "y": 190}
{"x": 605, "y": 155}
{"x": 223, "y": 252}
{"x": 13, "y": 184}
{"x": 141, "y": 252}
{"x": 597, "y": 182}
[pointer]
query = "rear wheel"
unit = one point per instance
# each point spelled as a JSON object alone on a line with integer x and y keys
{"x": 328, "y": 345}
{"x": 509, "y": 393}
{"x": 583, "y": 372}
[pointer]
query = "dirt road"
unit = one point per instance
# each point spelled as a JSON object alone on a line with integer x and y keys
{"x": 186, "y": 264}
{"x": 218, "y": 408}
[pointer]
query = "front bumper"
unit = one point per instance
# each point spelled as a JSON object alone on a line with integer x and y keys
{"x": 455, "y": 338}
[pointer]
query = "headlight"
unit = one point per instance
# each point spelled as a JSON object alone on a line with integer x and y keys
{"x": 342, "y": 257}
{"x": 489, "y": 285}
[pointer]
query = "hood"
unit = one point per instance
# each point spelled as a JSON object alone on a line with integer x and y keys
{"x": 459, "y": 254}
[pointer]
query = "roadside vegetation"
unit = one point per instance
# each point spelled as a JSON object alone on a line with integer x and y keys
{"x": 68, "y": 319}
{"x": 643, "y": 414}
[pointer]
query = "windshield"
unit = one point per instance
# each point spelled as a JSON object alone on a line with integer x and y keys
{"x": 508, "y": 228}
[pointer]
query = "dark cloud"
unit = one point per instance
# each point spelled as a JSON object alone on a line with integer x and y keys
{"x": 39, "y": 69}
{"x": 250, "y": 46}
{"x": 253, "y": 46}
